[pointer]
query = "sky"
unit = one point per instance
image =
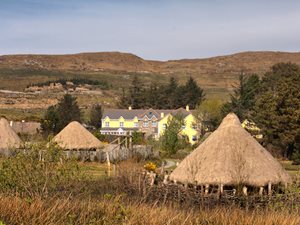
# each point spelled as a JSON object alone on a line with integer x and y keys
{"x": 151, "y": 29}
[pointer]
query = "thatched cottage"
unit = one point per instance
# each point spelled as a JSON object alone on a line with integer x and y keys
{"x": 75, "y": 137}
{"x": 230, "y": 156}
{"x": 8, "y": 138}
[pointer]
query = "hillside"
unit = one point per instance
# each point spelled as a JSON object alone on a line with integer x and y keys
{"x": 217, "y": 75}
{"x": 217, "y": 72}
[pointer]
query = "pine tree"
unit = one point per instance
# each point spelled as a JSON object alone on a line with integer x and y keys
{"x": 49, "y": 123}
{"x": 243, "y": 98}
{"x": 170, "y": 94}
{"x": 136, "y": 93}
{"x": 96, "y": 116}
{"x": 277, "y": 109}
{"x": 58, "y": 116}
{"x": 192, "y": 94}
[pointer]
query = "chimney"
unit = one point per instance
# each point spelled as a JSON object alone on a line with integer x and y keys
{"x": 11, "y": 123}
{"x": 162, "y": 115}
{"x": 187, "y": 108}
{"x": 129, "y": 108}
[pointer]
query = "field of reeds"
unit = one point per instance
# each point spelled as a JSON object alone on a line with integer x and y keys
{"x": 60, "y": 191}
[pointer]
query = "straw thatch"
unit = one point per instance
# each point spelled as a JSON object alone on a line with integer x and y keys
{"x": 230, "y": 156}
{"x": 75, "y": 137}
{"x": 8, "y": 138}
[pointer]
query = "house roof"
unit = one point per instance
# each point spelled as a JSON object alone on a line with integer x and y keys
{"x": 140, "y": 113}
{"x": 230, "y": 156}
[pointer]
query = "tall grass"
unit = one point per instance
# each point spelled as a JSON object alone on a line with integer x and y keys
{"x": 49, "y": 191}
{"x": 116, "y": 210}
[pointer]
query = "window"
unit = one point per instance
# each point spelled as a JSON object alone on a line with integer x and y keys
{"x": 106, "y": 124}
{"x": 145, "y": 124}
{"x": 164, "y": 126}
{"x": 121, "y": 124}
{"x": 183, "y": 127}
{"x": 194, "y": 138}
{"x": 136, "y": 124}
{"x": 154, "y": 124}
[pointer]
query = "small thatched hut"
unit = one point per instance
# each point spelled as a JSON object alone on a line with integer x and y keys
{"x": 8, "y": 138}
{"x": 230, "y": 156}
{"x": 75, "y": 137}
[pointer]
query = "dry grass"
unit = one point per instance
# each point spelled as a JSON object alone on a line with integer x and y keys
{"x": 14, "y": 210}
{"x": 102, "y": 201}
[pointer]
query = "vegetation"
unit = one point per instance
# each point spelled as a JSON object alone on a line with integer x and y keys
{"x": 116, "y": 200}
{"x": 96, "y": 116}
{"x": 138, "y": 138}
{"x": 273, "y": 104}
{"x": 208, "y": 115}
{"x": 243, "y": 99}
{"x": 58, "y": 116}
{"x": 116, "y": 210}
{"x": 171, "y": 140}
{"x": 170, "y": 96}
{"x": 75, "y": 81}
{"x": 277, "y": 108}
{"x": 39, "y": 172}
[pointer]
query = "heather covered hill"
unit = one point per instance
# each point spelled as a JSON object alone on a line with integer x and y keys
{"x": 216, "y": 73}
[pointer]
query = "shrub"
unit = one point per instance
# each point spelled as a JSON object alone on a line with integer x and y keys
{"x": 38, "y": 171}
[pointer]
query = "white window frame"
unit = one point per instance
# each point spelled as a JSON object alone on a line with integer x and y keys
{"x": 121, "y": 124}
{"x": 106, "y": 124}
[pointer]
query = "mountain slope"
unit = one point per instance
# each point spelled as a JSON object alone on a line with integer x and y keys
{"x": 216, "y": 73}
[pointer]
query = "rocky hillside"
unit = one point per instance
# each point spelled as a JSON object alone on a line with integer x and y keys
{"x": 216, "y": 73}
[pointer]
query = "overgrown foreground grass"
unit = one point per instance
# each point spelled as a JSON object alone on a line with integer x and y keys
{"x": 16, "y": 210}
{"x": 42, "y": 187}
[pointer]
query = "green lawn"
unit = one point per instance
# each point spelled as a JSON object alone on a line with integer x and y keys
{"x": 94, "y": 169}
{"x": 293, "y": 170}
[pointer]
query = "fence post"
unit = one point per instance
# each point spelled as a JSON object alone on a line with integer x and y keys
{"x": 206, "y": 189}
{"x": 245, "y": 191}
{"x": 269, "y": 188}
{"x": 261, "y": 190}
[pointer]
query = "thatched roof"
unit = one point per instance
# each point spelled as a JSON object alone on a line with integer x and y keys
{"x": 74, "y": 137}
{"x": 229, "y": 156}
{"x": 8, "y": 138}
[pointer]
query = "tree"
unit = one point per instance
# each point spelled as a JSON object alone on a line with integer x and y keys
{"x": 50, "y": 121}
{"x": 277, "y": 109}
{"x": 170, "y": 94}
{"x": 124, "y": 101}
{"x": 96, "y": 116}
{"x": 191, "y": 93}
{"x": 136, "y": 94}
{"x": 171, "y": 141}
{"x": 68, "y": 111}
{"x": 243, "y": 98}
{"x": 208, "y": 115}
{"x": 58, "y": 116}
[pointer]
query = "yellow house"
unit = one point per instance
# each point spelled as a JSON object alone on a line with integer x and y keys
{"x": 188, "y": 129}
{"x": 148, "y": 121}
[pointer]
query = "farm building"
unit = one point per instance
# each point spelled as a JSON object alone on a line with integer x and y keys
{"x": 8, "y": 138}
{"x": 230, "y": 156}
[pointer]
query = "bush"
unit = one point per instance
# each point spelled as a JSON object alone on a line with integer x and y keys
{"x": 38, "y": 171}
{"x": 296, "y": 158}
{"x": 138, "y": 138}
